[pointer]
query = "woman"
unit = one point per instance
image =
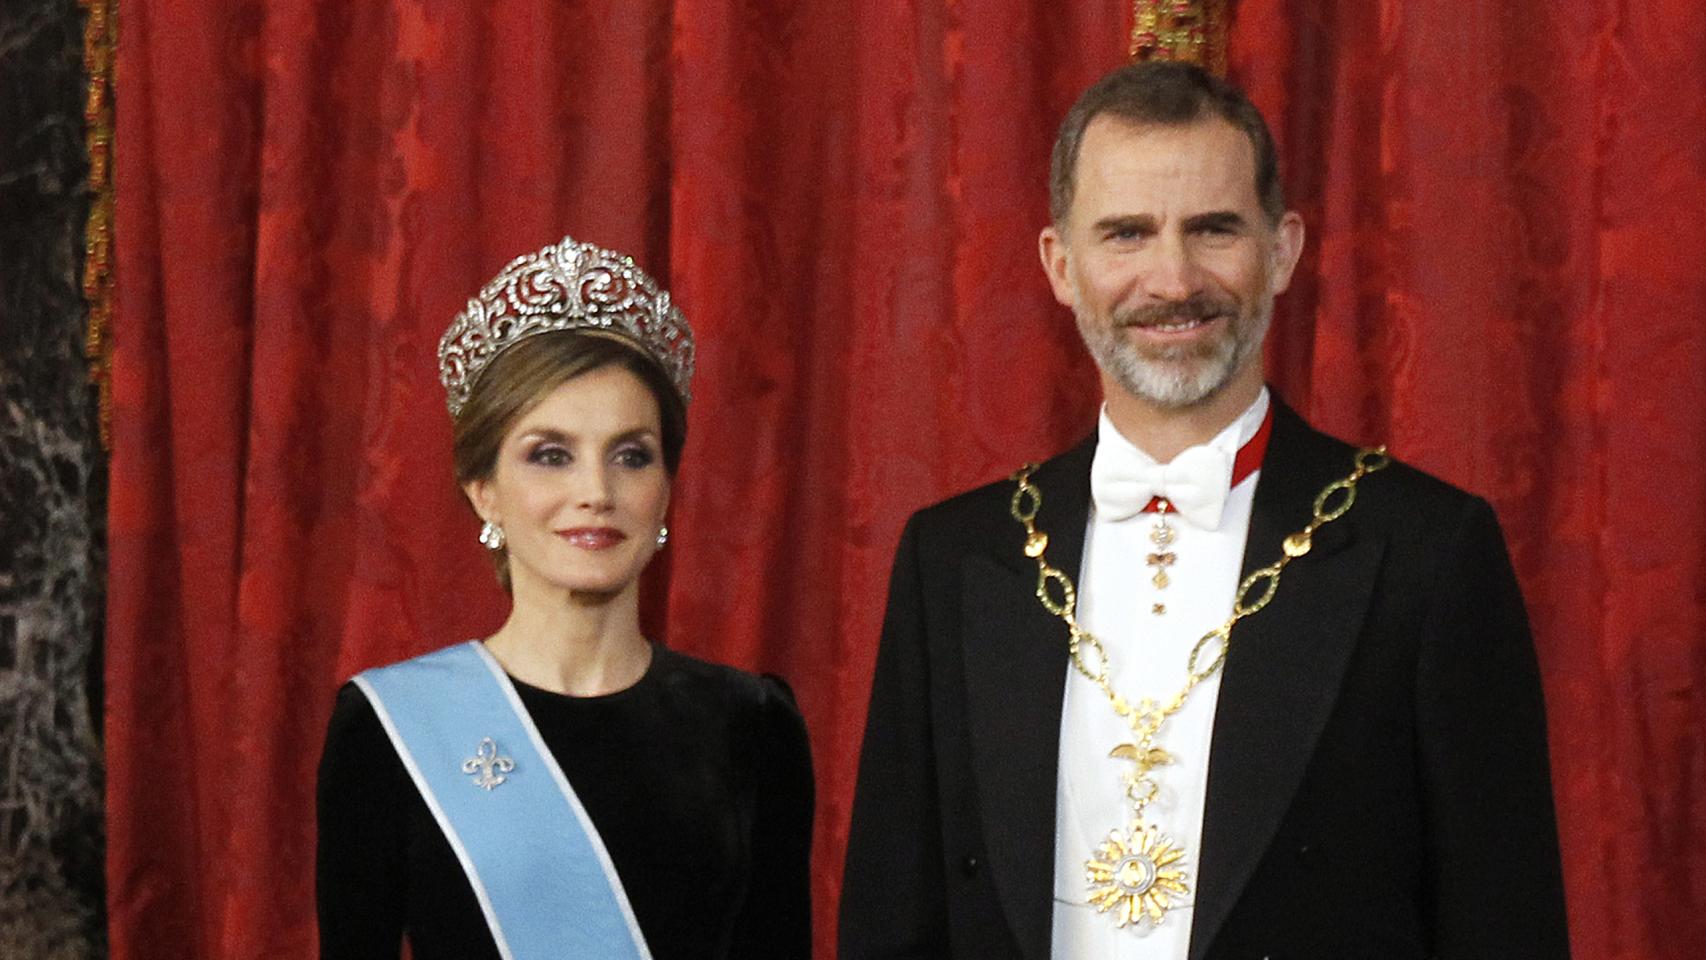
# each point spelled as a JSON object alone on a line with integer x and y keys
{"x": 565, "y": 788}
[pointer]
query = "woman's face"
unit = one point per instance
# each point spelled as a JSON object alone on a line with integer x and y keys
{"x": 580, "y": 487}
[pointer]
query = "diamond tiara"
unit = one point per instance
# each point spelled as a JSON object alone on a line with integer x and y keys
{"x": 568, "y": 285}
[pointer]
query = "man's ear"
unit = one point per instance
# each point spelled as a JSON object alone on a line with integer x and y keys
{"x": 1051, "y": 247}
{"x": 1287, "y": 249}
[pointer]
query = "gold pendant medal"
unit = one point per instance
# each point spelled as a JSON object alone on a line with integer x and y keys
{"x": 1136, "y": 873}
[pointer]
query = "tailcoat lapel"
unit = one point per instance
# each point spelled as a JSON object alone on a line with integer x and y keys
{"x": 1284, "y": 665}
{"x": 1015, "y": 668}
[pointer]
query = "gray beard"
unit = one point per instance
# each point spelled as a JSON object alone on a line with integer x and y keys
{"x": 1178, "y": 377}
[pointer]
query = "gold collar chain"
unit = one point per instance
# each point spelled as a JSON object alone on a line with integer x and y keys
{"x": 1138, "y": 871}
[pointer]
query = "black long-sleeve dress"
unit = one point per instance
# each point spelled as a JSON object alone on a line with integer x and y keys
{"x": 698, "y": 779}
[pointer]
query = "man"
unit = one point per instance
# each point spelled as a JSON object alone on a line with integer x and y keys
{"x": 1364, "y": 774}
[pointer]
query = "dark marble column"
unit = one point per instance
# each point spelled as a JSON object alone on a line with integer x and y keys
{"x": 52, "y": 482}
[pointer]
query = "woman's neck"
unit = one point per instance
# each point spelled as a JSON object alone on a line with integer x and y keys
{"x": 573, "y": 644}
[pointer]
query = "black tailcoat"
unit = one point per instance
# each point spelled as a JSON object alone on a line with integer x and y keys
{"x": 1378, "y": 783}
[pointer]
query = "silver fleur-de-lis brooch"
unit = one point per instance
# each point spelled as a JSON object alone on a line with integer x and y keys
{"x": 486, "y": 766}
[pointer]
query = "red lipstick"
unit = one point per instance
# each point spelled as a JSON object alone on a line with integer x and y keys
{"x": 593, "y": 538}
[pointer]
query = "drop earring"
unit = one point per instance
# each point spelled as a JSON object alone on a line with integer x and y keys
{"x": 663, "y": 536}
{"x": 492, "y": 536}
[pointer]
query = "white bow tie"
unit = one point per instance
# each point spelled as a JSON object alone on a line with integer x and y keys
{"x": 1195, "y": 483}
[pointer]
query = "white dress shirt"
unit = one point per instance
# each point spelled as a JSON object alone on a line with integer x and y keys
{"x": 1146, "y": 653}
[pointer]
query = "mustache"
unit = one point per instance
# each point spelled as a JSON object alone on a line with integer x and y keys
{"x": 1195, "y": 307}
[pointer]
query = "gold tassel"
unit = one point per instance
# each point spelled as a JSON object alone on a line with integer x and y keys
{"x": 1194, "y": 31}
{"x": 100, "y": 42}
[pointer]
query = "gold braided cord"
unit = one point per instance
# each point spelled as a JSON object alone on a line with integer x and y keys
{"x": 1194, "y": 31}
{"x": 100, "y": 42}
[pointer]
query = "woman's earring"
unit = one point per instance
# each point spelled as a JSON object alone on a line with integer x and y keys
{"x": 492, "y": 536}
{"x": 663, "y": 536}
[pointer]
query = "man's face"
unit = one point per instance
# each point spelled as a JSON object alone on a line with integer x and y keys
{"x": 1167, "y": 260}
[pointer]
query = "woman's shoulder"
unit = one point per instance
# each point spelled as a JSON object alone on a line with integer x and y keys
{"x": 761, "y": 717}
{"x": 357, "y": 749}
{"x": 743, "y": 690}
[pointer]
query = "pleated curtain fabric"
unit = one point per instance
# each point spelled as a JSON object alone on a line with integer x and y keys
{"x": 1503, "y": 282}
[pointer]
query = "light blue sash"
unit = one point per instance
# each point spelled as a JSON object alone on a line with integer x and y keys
{"x": 543, "y": 878}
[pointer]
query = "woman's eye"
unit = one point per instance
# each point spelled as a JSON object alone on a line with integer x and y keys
{"x": 634, "y": 457}
{"x": 548, "y": 455}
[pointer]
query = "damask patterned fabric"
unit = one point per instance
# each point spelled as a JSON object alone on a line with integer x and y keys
{"x": 1503, "y": 281}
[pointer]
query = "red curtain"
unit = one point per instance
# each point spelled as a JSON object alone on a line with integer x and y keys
{"x": 1504, "y": 281}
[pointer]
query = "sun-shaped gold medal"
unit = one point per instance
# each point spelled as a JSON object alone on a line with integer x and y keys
{"x": 1136, "y": 872}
